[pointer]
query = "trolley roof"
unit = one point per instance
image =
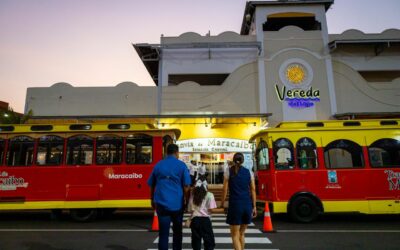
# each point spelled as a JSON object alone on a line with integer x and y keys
{"x": 82, "y": 127}
{"x": 330, "y": 125}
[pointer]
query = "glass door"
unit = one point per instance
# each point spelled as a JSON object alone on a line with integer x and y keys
{"x": 215, "y": 169}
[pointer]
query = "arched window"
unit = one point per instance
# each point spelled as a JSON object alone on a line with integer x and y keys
{"x": 80, "y": 150}
{"x": 305, "y": 21}
{"x": 108, "y": 150}
{"x": 139, "y": 149}
{"x": 2, "y": 147}
{"x": 306, "y": 153}
{"x": 385, "y": 153}
{"x": 283, "y": 153}
{"x": 343, "y": 154}
{"x": 20, "y": 151}
{"x": 262, "y": 156}
{"x": 50, "y": 150}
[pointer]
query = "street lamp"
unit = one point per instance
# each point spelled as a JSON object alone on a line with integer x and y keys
{"x": 6, "y": 115}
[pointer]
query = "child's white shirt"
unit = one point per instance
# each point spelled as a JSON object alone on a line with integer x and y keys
{"x": 203, "y": 209}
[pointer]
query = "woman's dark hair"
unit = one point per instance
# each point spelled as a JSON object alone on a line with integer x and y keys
{"x": 238, "y": 160}
{"x": 202, "y": 177}
{"x": 199, "y": 193}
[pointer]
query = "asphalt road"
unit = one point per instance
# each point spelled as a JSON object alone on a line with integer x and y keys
{"x": 129, "y": 230}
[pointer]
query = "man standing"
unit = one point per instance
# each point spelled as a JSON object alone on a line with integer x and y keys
{"x": 170, "y": 182}
{"x": 192, "y": 171}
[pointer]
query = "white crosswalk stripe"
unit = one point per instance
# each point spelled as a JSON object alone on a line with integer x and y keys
{"x": 223, "y": 224}
{"x": 255, "y": 239}
{"x": 226, "y": 240}
{"x": 223, "y": 231}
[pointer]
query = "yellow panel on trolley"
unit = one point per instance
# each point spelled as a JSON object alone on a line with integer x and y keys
{"x": 145, "y": 203}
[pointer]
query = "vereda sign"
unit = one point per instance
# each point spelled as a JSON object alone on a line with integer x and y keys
{"x": 298, "y": 98}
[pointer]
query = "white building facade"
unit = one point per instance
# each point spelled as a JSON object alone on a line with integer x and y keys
{"x": 284, "y": 65}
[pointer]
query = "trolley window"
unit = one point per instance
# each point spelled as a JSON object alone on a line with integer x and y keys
{"x": 6, "y": 128}
{"x": 41, "y": 127}
{"x": 385, "y": 153}
{"x": 283, "y": 154}
{"x": 262, "y": 156}
{"x": 2, "y": 147}
{"x": 306, "y": 150}
{"x": 343, "y": 154}
{"x": 80, "y": 150}
{"x": 20, "y": 151}
{"x": 119, "y": 126}
{"x": 50, "y": 151}
{"x": 108, "y": 150}
{"x": 80, "y": 127}
{"x": 139, "y": 149}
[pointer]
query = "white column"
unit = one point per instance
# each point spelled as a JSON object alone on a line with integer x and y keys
{"x": 262, "y": 85}
{"x": 331, "y": 84}
{"x": 160, "y": 83}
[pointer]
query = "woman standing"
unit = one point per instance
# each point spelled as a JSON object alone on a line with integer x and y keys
{"x": 242, "y": 199}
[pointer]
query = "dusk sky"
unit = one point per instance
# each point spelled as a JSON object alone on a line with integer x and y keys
{"x": 88, "y": 42}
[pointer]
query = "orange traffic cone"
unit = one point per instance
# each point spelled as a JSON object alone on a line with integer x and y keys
{"x": 267, "y": 228}
{"x": 155, "y": 226}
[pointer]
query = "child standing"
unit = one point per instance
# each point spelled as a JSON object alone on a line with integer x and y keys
{"x": 201, "y": 203}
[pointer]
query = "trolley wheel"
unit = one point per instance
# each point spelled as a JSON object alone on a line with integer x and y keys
{"x": 83, "y": 215}
{"x": 304, "y": 209}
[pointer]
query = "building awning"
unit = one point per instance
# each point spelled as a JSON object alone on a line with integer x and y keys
{"x": 379, "y": 44}
{"x": 212, "y": 120}
{"x": 178, "y": 115}
{"x": 149, "y": 54}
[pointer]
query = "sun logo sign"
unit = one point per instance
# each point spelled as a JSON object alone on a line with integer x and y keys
{"x": 295, "y": 73}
